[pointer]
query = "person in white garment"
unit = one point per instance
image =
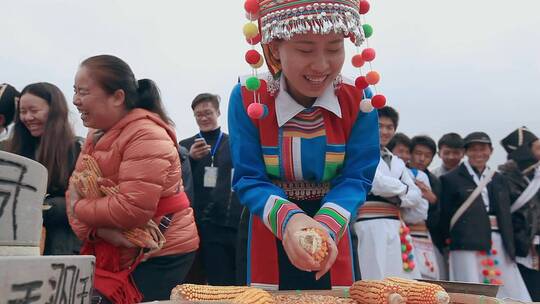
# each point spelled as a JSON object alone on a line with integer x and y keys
{"x": 384, "y": 243}
{"x": 477, "y": 222}
{"x": 426, "y": 236}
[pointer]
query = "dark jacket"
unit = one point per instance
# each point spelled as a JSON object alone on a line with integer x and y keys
{"x": 187, "y": 175}
{"x": 434, "y": 211}
{"x": 472, "y": 231}
{"x": 60, "y": 239}
{"x": 218, "y": 205}
{"x": 526, "y": 220}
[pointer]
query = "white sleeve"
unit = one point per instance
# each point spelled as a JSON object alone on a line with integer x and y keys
{"x": 422, "y": 176}
{"x": 414, "y": 208}
{"x": 387, "y": 186}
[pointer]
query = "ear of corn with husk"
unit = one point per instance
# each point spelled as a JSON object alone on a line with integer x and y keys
{"x": 418, "y": 292}
{"x": 376, "y": 292}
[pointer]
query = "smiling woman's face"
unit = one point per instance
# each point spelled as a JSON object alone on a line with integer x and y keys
{"x": 310, "y": 63}
{"x": 33, "y": 113}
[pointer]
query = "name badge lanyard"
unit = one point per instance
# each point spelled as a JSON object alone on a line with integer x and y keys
{"x": 214, "y": 148}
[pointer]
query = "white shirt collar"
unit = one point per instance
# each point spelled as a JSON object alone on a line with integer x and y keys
{"x": 287, "y": 107}
{"x": 484, "y": 192}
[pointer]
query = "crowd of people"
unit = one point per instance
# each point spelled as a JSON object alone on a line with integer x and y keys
{"x": 305, "y": 151}
{"x": 411, "y": 224}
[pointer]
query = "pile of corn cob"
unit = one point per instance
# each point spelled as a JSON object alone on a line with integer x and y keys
{"x": 388, "y": 291}
{"x": 86, "y": 184}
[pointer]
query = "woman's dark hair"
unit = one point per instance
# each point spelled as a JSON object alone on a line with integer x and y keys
{"x": 112, "y": 74}
{"x": 389, "y": 113}
{"x": 452, "y": 140}
{"x": 397, "y": 139}
{"x": 54, "y": 146}
{"x": 8, "y": 96}
{"x": 424, "y": 140}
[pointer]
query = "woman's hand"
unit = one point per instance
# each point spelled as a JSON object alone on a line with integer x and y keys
{"x": 298, "y": 256}
{"x": 327, "y": 263}
{"x": 114, "y": 237}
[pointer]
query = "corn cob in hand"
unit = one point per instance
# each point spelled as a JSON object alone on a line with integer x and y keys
{"x": 147, "y": 237}
{"x": 314, "y": 241}
{"x": 86, "y": 183}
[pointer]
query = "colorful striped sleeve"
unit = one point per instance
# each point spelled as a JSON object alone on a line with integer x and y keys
{"x": 350, "y": 188}
{"x": 334, "y": 218}
{"x": 250, "y": 180}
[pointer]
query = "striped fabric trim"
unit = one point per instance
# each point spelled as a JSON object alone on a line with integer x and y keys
{"x": 305, "y": 125}
{"x": 419, "y": 230}
{"x": 334, "y": 218}
{"x": 271, "y": 161}
{"x": 272, "y": 165}
{"x": 373, "y": 210}
{"x": 277, "y": 213}
{"x": 287, "y": 158}
{"x": 333, "y": 163}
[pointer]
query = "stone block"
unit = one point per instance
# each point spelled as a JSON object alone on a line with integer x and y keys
{"x": 46, "y": 279}
{"x": 23, "y": 184}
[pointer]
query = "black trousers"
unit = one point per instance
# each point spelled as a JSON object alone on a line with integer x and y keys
{"x": 157, "y": 276}
{"x": 290, "y": 277}
{"x": 218, "y": 253}
{"x": 532, "y": 281}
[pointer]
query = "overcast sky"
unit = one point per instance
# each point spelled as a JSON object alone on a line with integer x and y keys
{"x": 460, "y": 65}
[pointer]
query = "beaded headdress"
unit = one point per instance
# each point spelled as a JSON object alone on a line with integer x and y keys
{"x": 282, "y": 19}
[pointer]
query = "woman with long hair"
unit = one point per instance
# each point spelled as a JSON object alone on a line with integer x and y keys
{"x": 42, "y": 132}
{"x": 133, "y": 152}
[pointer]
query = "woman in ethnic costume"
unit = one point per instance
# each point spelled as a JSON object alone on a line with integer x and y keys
{"x": 304, "y": 153}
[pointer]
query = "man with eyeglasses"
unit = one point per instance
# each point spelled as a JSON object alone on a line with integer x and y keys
{"x": 217, "y": 210}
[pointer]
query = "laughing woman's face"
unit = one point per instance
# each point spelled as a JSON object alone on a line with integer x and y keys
{"x": 310, "y": 63}
{"x": 33, "y": 113}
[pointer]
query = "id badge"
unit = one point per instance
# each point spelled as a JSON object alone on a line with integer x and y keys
{"x": 210, "y": 177}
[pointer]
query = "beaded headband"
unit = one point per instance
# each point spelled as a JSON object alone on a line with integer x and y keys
{"x": 282, "y": 19}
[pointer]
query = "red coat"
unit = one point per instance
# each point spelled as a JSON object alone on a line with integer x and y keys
{"x": 140, "y": 155}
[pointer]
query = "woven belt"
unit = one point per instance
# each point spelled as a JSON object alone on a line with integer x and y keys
{"x": 419, "y": 229}
{"x": 376, "y": 210}
{"x": 493, "y": 223}
{"x": 302, "y": 190}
